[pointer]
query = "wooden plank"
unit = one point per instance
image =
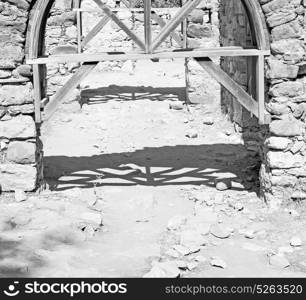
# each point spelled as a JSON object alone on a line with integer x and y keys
{"x": 79, "y": 32}
{"x": 260, "y": 87}
{"x": 147, "y": 25}
{"x": 95, "y": 30}
{"x": 37, "y": 92}
{"x": 233, "y": 87}
{"x": 116, "y": 56}
{"x": 64, "y": 91}
{"x": 172, "y": 25}
{"x": 115, "y": 19}
{"x": 162, "y": 24}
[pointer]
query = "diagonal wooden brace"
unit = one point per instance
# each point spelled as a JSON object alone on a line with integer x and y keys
{"x": 62, "y": 94}
{"x": 114, "y": 18}
{"x": 233, "y": 87}
{"x": 178, "y": 18}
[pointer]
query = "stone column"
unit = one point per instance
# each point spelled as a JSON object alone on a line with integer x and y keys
{"x": 283, "y": 173}
{"x": 19, "y": 149}
{"x": 283, "y": 147}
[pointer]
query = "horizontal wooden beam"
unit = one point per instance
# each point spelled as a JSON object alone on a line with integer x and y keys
{"x": 129, "y": 9}
{"x": 232, "y": 86}
{"x": 178, "y": 53}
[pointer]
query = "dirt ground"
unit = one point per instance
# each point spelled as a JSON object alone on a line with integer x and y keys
{"x": 140, "y": 185}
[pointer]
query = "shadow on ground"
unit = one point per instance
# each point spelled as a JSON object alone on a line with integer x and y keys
{"x": 168, "y": 165}
{"x": 131, "y": 93}
{"x": 16, "y": 260}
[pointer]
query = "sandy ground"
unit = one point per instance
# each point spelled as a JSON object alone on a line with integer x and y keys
{"x": 126, "y": 158}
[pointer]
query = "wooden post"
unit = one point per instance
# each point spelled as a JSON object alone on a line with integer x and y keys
{"x": 260, "y": 87}
{"x": 79, "y": 31}
{"x": 147, "y": 25}
{"x": 37, "y": 92}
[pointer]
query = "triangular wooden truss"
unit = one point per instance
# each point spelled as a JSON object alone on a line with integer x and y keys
{"x": 148, "y": 50}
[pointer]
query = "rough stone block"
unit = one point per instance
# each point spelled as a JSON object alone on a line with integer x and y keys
{"x": 284, "y": 160}
{"x": 21, "y": 152}
{"x": 286, "y": 128}
{"x": 15, "y": 176}
{"x": 16, "y": 95}
{"x": 22, "y": 127}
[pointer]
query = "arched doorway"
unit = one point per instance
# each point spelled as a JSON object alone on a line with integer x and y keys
{"x": 35, "y": 47}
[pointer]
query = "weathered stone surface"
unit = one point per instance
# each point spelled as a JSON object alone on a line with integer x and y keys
{"x": 16, "y": 95}
{"x": 280, "y": 18}
{"x": 278, "y": 143}
{"x": 286, "y": 128}
{"x": 199, "y": 31}
{"x": 21, "y": 152}
{"x": 21, "y": 127}
{"x": 15, "y": 176}
{"x": 284, "y": 160}
{"x": 277, "y": 69}
{"x": 279, "y": 261}
{"x": 287, "y": 88}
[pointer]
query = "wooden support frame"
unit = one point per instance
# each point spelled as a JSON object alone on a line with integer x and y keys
{"x": 149, "y": 51}
{"x": 114, "y": 18}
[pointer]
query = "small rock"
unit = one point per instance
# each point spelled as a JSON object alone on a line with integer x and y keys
{"x": 163, "y": 270}
{"x": 192, "y": 134}
{"x": 176, "y": 222}
{"x": 177, "y": 105}
{"x": 92, "y": 218}
{"x": 219, "y": 231}
{"x": 296, "y": 242}
{"x": 181, "y": 264}
{"x": 186, "y": 250}
{"x": 172, "y": 253}
{"x": 191, "y": 266}
{"x": 279, "y": 261}
{"x": 20, "y": 196}
{"x": 209, "y": 120}
{"x": 218, "y": 262}
{"x": 249, "y": 234}
{"x": 200, "y": 259}
{"x": 223, "y": 184}
{"x": 89, "y": 231}
{"x": 192, "y": 238}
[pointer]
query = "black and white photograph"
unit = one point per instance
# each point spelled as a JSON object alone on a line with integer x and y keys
{"x": 152, "y": 147}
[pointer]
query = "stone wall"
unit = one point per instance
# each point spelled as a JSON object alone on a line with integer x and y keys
{"x": 283, "y": 172}
{"x": 61, "y": 36}
{"x": 202, "y": 32}
{"x": 283, "y": 145}
{"x": 19, "y": 145}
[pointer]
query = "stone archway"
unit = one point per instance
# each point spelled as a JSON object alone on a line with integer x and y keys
{"x": 283, "y": 173}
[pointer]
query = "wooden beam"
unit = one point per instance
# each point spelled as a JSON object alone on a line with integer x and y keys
{"x": 233, "y": 87}
{"x": 79, "y": 31}
{"x": 162, "y": 24}
{"x": 115, "y": 19}
{"x": 172, "y": 25}
{"x": 37, "y": 75}
{"x": 62, "y": 94}
{"x": 260, "y": 87}
{"x": 147, "y": 25}
{"x": 179, "y": 53}
{"x": 95, "y": 30}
